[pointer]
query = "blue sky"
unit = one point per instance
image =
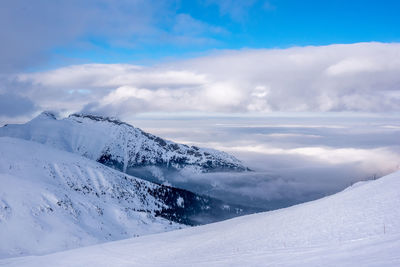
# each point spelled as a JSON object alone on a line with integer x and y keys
{"x": 236, "y": 25}
{"x": 284, "y": 23}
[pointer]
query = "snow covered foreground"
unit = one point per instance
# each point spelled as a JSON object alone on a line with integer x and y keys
{"x": 357, "y": 227}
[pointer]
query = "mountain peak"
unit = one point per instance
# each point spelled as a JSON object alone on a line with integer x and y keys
{"x": 47, "y": 115}
{"x": 97, "y": 118}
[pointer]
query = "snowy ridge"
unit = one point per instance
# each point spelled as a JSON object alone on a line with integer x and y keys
{"x": 357, "y": 227}
{"x": 52, "y": 200}
{"x": 118, "y": 144}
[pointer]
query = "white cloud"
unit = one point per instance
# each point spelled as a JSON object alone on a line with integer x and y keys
{"x": 380, "y": 156}
{"x": 351, "y": 66}
{"x": 289, "y": 135}
{"x": 355, "y": 77}
{"x": 222, "y": 94}
{"x": 112, "y": 76}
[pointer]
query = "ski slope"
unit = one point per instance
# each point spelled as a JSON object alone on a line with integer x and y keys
{"x": 359, "y": 226}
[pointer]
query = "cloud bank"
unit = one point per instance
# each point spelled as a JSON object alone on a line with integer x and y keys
{"x": 362, "y": 77}
{"x": 294, "y": 159}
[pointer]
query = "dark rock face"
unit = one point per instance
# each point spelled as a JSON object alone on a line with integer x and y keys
{"x": 188, "y": 208}
{"x": 108, "y": 160}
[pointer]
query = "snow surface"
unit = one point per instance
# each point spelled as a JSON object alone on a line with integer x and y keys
{"x": 51, "y": 200}
{"x": 357, "y": 227}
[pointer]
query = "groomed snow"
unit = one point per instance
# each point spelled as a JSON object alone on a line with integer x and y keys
{"x": 357, "y": 227}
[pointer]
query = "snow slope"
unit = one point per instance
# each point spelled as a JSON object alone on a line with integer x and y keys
{"x": 52, "y": 200}
{"x": 357, "y": 227}
{"x": 118, "y": 144}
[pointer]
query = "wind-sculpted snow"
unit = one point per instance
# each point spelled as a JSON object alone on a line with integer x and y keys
{"x": 52, "y": 200}
{"x": 357, "y": 227}
{"x": 118, "y": 144}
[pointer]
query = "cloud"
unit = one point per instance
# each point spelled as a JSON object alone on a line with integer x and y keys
{"x": 31, "y": 32}
{"x": 187, "y": 25}
{"x": 235, "y": 9}
{"x": 362, "y": 77}
{"x": 13, "y": 105}
{"x": 294, "y": 158}
{"x": 383, "y": 157}
{"x": 113, "y": 76}
{"x": 352, "y": 66}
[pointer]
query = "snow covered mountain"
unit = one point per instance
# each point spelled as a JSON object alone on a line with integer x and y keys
{"x": 359, "y": 226}
{"x": 52, "y": 200}
{"x": 118, "y": 144}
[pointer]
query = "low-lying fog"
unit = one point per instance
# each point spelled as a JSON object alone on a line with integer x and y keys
{"x": 294, "y": 157}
